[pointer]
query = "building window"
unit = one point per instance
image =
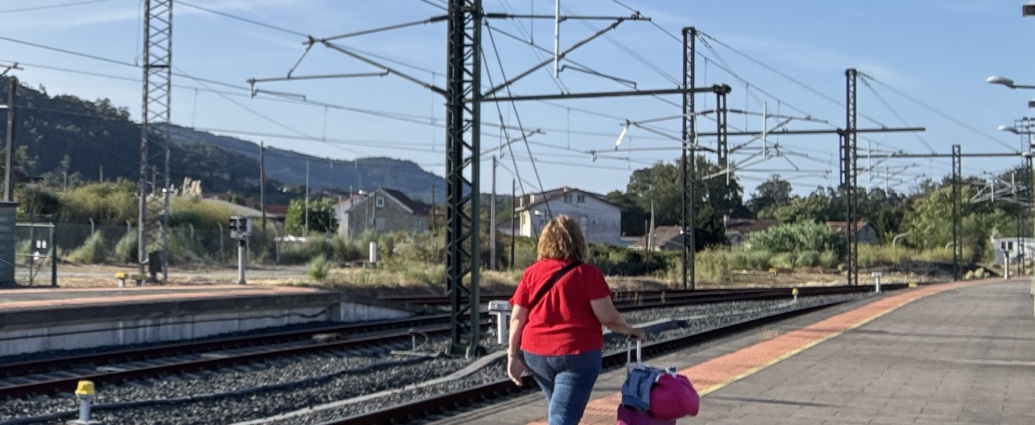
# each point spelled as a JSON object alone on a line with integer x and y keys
{"x": 379, "y": 202}
{"x": 567, "y": 198}
{"x": 580, "y": 199}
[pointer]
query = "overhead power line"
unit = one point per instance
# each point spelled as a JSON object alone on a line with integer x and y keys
{"x": 250, "y": 21}
{"x": 53, "y": 6}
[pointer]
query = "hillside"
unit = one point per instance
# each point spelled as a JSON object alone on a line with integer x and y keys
{"x": 63, "y": 139}
{"x": 289, "y": 168}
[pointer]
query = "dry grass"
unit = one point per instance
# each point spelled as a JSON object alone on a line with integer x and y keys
{"x": 373, "y": 282}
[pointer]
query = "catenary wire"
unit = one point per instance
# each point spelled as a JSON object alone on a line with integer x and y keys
{"x": 53, "y": 6}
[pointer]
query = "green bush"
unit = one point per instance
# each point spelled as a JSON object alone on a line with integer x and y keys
{"x": 318, "y": 268}
{"x": 754, "y": 259}
{"x": 797, "y": 237}
{"x": 712, "y": 266}
{"x": 828, "y": 260}
{"x": 303, "y": 252}
{"x": 807, "y": 259}
{"x": 93, "y": 251}
{"x": 783, "y": 260}
{"x": 185, "y": 250}
{"x": 126, "y": 249}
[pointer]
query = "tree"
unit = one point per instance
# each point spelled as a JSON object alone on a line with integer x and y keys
{"x": 633, "y": 216}
{"x": 715, "y": 198}
{"x": 37, "y": 202}
{"x": 813, "y": 207}
{"x": 773, "y": 192}
{"x": 930, "y": 220}
{"x": 321, "y": 216}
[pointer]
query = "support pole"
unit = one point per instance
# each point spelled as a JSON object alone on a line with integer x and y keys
{"x": 849, "y": 180}
{"x": 9, "y": 147}
{"x": 492, "y": 219}
{"x": 262, "y": 184}
{"x": 689, "y": 136}
{"x": 463, "y": 136}
{"x": 242, "y": 257}
{"x": 513, "y": 215}
{"x": 957, "y": 245}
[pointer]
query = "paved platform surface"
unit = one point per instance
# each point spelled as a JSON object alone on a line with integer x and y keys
{"x": 951, "y": 354}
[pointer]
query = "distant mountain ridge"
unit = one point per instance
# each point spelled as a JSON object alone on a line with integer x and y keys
{"x": 289, "y": 167}
{"x": 66, "y": 140}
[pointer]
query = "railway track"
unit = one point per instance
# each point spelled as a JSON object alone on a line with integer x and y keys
{"x": 54, "y": 375}
{"x": 61, "y": 374}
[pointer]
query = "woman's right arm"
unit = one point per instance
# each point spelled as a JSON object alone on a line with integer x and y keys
{"x": 515, "y": 364}
{"x": 608, "y": 315}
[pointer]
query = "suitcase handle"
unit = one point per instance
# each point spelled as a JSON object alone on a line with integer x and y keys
{"x": 628, "y": 352}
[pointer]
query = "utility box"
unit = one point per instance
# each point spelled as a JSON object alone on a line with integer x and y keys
{"x": 154, "y": 264}
{"x": 8, "y": 215}
{"x": 500, "y": 309}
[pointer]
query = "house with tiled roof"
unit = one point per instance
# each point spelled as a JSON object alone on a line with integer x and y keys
{"x": 600, "y": 220}
{"x": 739, "y": 229}
{"x": 383, "y": 210}
{"x": 864, "y": 232}
{"x": 663, "y": 237}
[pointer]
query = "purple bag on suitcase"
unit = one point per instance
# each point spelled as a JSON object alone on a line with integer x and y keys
{"x": 630, "y": 416}
{"x": 673, "y": 396}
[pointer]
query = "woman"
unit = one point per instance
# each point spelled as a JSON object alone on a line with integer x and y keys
{"x": 557, "y": 335}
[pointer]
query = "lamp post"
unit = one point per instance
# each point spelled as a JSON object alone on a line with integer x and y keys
{"x": 1025, "y": 128}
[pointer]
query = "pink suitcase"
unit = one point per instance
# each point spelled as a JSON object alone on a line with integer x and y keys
{"x": 629, "y": 416}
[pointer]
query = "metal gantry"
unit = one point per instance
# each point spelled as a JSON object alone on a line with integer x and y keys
{"x": 153, "y": 219}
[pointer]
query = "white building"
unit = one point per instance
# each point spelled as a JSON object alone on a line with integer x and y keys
{"x": 600, "y": 220}
{"x": 1014, "y": 249}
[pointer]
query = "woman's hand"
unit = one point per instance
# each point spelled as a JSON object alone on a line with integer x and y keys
{"x": 637, "y": 334}
{"x": 515, "y": 368}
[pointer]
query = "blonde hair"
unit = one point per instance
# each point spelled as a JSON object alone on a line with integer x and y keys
{"x": 562, "y": 240}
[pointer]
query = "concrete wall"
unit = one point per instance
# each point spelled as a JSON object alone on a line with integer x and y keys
{"x": 92, "y": 327}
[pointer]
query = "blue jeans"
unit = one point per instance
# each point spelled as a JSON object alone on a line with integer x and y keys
{"x": 567, "y": 382}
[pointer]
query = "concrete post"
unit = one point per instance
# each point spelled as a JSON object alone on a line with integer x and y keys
{"x": 242, "y": 255}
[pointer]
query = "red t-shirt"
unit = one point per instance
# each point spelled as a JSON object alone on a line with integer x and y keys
{"x": 563, "y": 322}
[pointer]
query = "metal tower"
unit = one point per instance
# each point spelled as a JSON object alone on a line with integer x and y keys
{"x": 849, "y": 174}
{"x": 463, "y": 120}
{"x": 153, "y": 221}
{"x": 957, "y": 193}
{"x": 689, "y": 144}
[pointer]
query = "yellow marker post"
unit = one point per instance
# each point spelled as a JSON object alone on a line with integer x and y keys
{"x": 85, "y": 393}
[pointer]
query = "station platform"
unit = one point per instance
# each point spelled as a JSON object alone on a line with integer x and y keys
{"x": 56, "y": 318}
{"x": 947, "y": 354}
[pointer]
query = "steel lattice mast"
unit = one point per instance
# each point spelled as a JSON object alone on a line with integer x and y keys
{"x": 687, "y": 176}
{"x": 849, "y": 143}
{"x": 463, "y": 120}
{"x": 155, "y": 117}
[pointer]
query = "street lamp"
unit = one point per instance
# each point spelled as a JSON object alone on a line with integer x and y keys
{"x": 1028, "y": 9}
{"x": 996, "y": 79}
{"x": 1024, "y": 128}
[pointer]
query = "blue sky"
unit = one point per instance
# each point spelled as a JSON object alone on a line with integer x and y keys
{"x": 926, "y": 63}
